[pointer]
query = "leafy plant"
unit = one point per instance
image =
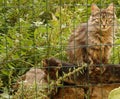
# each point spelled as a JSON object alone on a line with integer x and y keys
{"x": 32, "y": 30}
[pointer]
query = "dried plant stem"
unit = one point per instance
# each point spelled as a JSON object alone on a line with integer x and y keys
{"x": 65, "y": 75}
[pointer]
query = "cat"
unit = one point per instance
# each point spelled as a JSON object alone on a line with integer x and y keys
{"x": 91, "y": 42}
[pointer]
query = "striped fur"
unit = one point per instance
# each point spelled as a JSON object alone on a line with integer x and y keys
{"x": 91, "y": 42}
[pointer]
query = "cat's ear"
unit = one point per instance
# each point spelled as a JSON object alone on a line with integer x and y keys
{"x": 94, "y": 8}
{"x": 111, "y": 8}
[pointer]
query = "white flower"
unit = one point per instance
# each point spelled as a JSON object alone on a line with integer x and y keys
{"x": 17, "y": 41}
{"x": 21, "y": 20}
{"x": 37, "y": 23}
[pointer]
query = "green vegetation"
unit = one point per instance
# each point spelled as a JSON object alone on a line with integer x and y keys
{"x": 114, "y": 94}
{"x": 32, "y": 30}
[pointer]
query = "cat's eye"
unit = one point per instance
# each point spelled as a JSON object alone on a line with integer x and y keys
{"x": 97, "y": 20}
{"x": 110, "y": 20}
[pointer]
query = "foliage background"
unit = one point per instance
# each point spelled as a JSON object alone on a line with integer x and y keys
{"x": 32, "y": 30}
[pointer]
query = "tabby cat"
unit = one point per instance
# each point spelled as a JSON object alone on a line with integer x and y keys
{"x": 91, "y": 42}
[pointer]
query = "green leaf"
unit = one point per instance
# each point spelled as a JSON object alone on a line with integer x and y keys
{"x": 114, "y": 94}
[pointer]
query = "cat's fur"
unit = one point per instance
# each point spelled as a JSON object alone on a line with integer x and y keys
{"x": 91, "y": 42}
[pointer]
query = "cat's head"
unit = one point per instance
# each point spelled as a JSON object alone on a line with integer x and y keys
{"x": 103, "y": 19}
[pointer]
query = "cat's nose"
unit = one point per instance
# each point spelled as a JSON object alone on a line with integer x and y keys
{"x": 103, "y": 26}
